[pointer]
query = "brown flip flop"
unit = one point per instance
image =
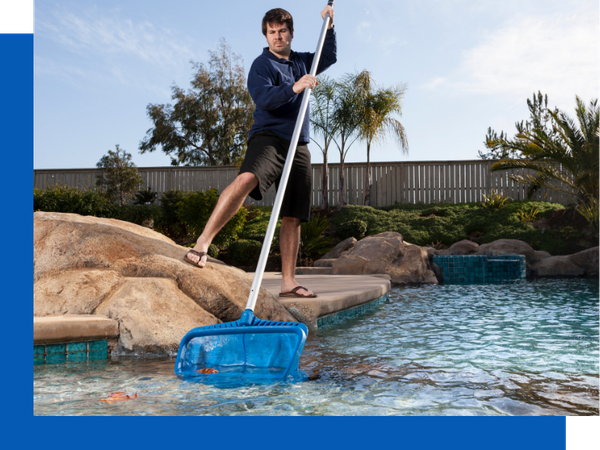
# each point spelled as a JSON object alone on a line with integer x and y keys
{"x": 189, "y": 261}
{"x": 293, "y": 293}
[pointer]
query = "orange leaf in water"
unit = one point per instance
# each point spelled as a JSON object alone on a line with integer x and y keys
{"x": 118, "y": 397}
{"x": 207, "y": 371}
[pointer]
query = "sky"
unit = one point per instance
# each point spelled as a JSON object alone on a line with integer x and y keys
{"x": 467, "y": 65}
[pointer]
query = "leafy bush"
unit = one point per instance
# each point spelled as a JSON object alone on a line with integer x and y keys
{"x": 352, "y": 228}
{"x": 258, "y": 222}
{"x": 194, "y": 210}
{"x": 145, "y": 197}
{"x": 494, "y": 201}
{"x": 589, "y": 210}
{"x": 87, "y": 202}
{"x": 452, "y": 223}
{"x": 244, "y": 251}
{"x": 528, "y": 216}
{"x": 168, "y": 223}
{"x": 312, "y": 242}
{"x": 213, "y": 251}
{"x": 141, "y": 214}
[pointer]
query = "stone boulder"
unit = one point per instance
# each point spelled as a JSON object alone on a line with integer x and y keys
{"x": 464, "y": 247}
{"x": 89, "y": 265}
{"x": 514, "y": 247}
{"x": 582, "y": 264}
{"x": 342, "y": 248}
{"x": 386, "y": 253}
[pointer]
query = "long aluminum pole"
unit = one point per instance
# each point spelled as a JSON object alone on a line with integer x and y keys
{"x": 264, "y": 253}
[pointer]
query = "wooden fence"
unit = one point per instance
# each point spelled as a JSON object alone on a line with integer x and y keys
{"x": 393, "y": 182}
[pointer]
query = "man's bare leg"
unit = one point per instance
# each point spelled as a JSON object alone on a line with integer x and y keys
{"x": 289, "y": 241}
{"x": 230, "y": 201}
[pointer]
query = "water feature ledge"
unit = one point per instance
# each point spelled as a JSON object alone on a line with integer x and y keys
{"x": 339, "y": 297}
{"x": 72, "y": 338}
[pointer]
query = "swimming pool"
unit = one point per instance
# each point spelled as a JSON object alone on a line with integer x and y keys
{"x": 528, "y": 348}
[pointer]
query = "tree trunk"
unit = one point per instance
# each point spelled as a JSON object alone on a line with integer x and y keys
{"x": 325, "y": 183}
{"x": 342, "y": 196}
{"x": 368, "y": 183}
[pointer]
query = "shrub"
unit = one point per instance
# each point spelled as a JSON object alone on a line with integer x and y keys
{"x": 213, "y": 251}
{"x": 494, "y": 201}
{"x": 312, "y": 242}
{"x": 353, "y": 228}
{"x": 168, "y": 223}
{"x": 145, "y": 197}
{"x": 194, "y": 210}
{"x": 530, "y": 216}
{"x": 589, "y": 210}
{"x": 87, "y": 202}
{"x": 244, "y": 251}
{"x": 141, "y": 214}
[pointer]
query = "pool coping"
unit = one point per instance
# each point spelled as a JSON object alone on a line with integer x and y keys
{"x": 335, "y": 293}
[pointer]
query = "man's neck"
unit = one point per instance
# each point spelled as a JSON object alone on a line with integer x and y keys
{"x": 280, "y": 55}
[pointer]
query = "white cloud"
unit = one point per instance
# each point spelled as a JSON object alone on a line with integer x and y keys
{"x": 559, "y": 55}
{"x": 99, "y": 34}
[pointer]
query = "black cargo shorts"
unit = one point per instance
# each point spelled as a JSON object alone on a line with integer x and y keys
{"x": 265, "y": 158}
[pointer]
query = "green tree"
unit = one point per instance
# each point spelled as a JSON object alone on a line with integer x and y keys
{"x": 208, "y": 124}
{"x": 377, "y": 108}
{"x": 322, "y": 120}
{"x": 540, "y": 118}
{"x": 347, "y": 124}
{"x": 119, "y": 179}
{"x": 567, "y": 153}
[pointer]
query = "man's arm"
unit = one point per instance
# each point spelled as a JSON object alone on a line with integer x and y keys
{"x": 264, "y": 93}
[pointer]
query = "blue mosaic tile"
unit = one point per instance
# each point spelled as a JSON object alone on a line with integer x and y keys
{"x": 471, "y": 269}
{"x": 76, "y": 347}
{"x": 56, "y": 348}
{"x": 95, "y": 356}
{"x": 39, "y": 354}
{"x": 95, "y": 346}
{"x": 56, "y": 358}
{"x": 77, "y": 356}
{"x": 341, "y": 316}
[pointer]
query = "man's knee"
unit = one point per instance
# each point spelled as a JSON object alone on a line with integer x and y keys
{"x": 247, "y": 181}
{"x": 290, "y": 221}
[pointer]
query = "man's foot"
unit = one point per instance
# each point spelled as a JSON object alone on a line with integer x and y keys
{"x": 196, "y": 257}
{"x": 298, "y": 291}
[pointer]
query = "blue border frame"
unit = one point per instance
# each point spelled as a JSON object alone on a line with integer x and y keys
{"x": 16, "y": 121}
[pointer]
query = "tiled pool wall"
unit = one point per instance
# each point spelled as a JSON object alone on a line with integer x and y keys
{"x": 70, "y": 352}
{"x": 481, "y": 269}
{"x": 350, "y": 313}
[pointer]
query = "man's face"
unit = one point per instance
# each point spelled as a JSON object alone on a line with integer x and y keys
{"x": 279, "y": 38}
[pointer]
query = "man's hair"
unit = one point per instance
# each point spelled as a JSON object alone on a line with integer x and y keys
{"x": 278, "y": 16}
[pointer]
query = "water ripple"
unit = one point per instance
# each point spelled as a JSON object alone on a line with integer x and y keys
{"x": 521, "y": 349}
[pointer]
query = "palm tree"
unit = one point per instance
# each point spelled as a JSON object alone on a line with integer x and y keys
{"x": 569, "y": 154}
{"x": 346, "y": 119}
{"x": 321, "y": 119}
{"x": 378, "y": 107}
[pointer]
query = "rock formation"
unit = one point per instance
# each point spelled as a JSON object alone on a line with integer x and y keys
{"x": 386, "y": 253}
{"x": 89, "y": 265}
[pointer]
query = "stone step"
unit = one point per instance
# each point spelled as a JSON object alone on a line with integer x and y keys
{"x": 73, "y": 328}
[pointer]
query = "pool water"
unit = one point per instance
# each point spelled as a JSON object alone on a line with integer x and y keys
{"x": 528, "y": 348}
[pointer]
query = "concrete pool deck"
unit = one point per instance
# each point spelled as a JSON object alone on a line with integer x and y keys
{"x": 338, "y": 297}
{"x": 335, "y": 294}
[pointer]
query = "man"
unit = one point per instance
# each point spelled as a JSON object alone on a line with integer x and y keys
{"x": 276, "y": 81}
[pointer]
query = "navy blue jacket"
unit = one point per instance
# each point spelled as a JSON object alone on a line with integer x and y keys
{"x": 270, "y": 83}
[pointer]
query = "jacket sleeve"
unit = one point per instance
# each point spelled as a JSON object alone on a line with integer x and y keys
{"x": 264, "y": 92}
{"x": 328, "y": 54}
